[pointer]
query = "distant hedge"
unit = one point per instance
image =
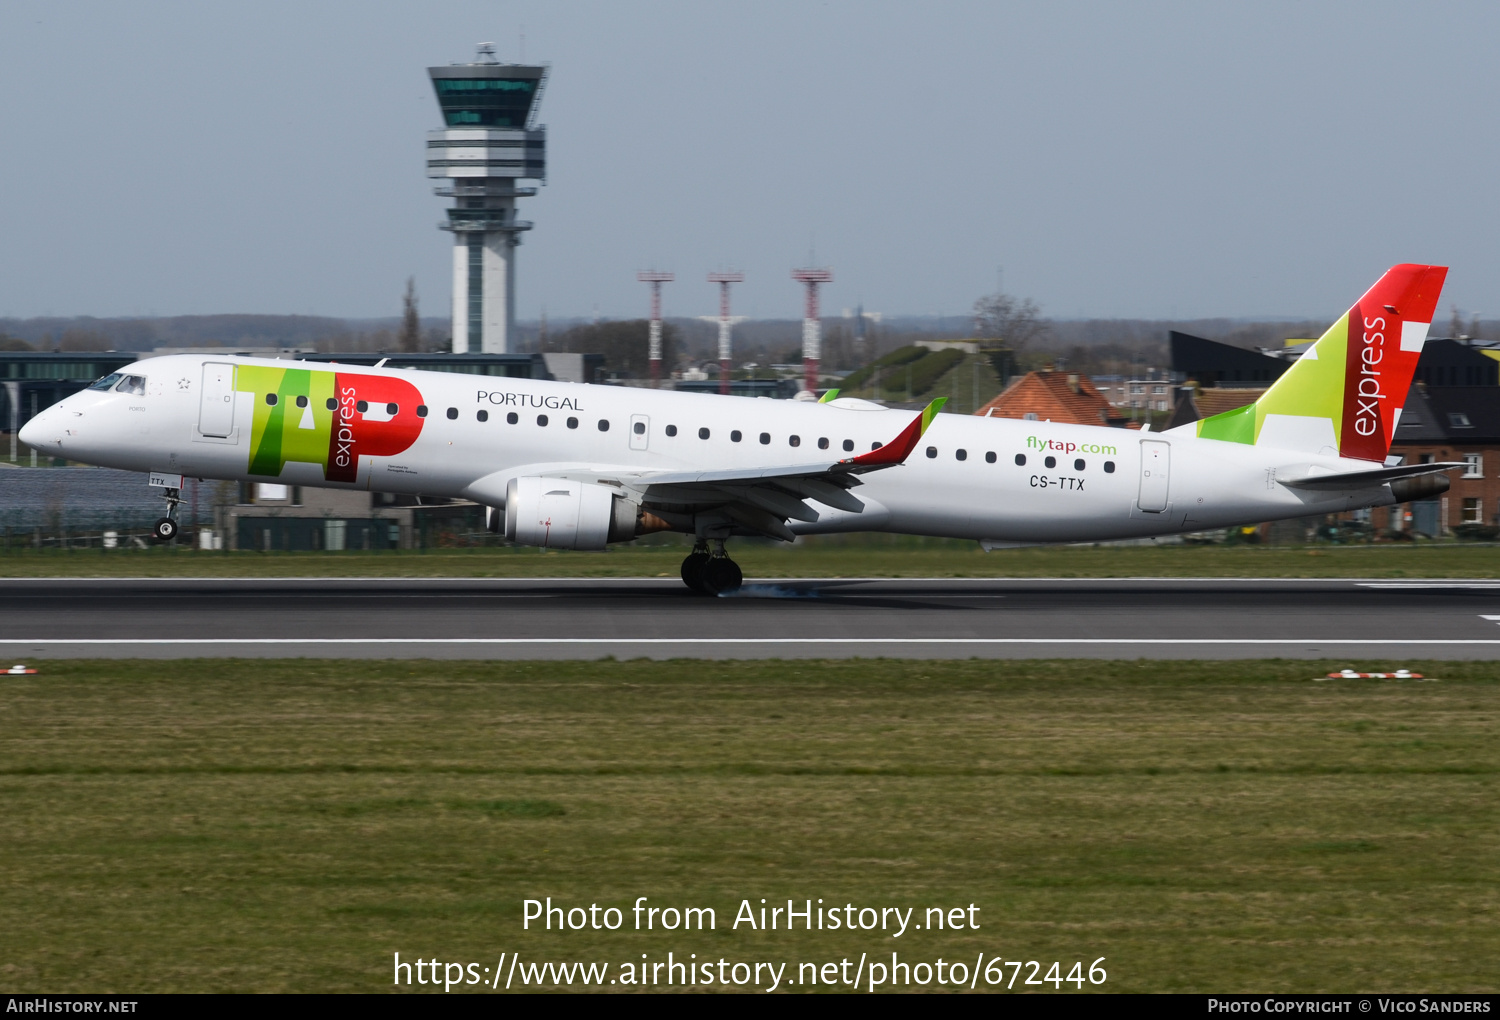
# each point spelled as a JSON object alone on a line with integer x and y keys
{"x": 900, "y": 356}
{"x": 927, "y": 368}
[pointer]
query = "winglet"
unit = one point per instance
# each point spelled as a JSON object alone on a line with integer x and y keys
{"x": 827, "y": 396}
{"x": 898, "y": 449}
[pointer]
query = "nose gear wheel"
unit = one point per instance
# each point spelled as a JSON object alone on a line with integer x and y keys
{"x": 165, "y": 530}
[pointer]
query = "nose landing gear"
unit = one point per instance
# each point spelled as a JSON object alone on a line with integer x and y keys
{"x": 711, "y": 572}
{"x": 165, "y": 529}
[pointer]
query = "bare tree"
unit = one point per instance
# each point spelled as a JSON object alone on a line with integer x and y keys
{"x": 1009, "y": 324}
{"x": 1012, "y": 321}
{"x": 411, "y": 323}
{"x": 625, "y": 345}
{"x": 1456, "y": 324}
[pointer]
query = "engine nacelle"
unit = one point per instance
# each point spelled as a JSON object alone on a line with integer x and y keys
{"x": 557, "y": 513}
{"x": 1404, "y": 490}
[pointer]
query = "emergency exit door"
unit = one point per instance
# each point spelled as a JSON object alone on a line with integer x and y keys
{"x": 1156, "y": 476}
{"x": 216, "y": 400}
{"x": 640, "y": 431}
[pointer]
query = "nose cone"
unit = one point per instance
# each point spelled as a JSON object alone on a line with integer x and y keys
{"x": 39, "y": 431}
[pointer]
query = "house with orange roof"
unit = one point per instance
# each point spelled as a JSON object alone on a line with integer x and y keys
{"x": 1055, "y": 396}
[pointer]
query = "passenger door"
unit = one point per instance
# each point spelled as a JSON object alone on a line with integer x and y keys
{"x": 1156, "y": 461}
{"x": 216, "y": 401}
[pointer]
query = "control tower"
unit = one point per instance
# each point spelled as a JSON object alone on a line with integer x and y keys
{"x": 491, "y": 142}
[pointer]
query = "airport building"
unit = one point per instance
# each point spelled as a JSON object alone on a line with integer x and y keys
{"x": 489, "y": 144}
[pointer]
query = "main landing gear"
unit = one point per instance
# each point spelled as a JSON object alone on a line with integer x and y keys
{"x": 165, "y": 530}
{"x": 711, "y": 572}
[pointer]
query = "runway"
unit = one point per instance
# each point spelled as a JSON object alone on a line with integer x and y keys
{"x": 451, "y": 618}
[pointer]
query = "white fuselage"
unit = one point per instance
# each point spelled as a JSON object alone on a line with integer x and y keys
{"x": 993, "y": 479}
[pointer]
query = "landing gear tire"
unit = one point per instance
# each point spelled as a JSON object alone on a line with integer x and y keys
{"x": 164, "y": 530}
{"x": 692, "y": 570}
{"x": 722, "y": 574}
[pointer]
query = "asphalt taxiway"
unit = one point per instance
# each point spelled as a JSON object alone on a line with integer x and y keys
{"x": 462, "y": 618}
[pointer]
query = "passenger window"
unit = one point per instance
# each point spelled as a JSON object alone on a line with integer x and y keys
{"x": 931, "y": 452}
{"x": 989, "y": 458}
{"x": 1020, "y": 460}
{"x": 452, "y": 413}
{"x": 876, "y": 445}
{"x": 1078, "y": 465}
{"x": 848, "y": 445}
{"x": 671, "y": 430}
{"x": 703, "y": 433}
{"x": 541, "y": 420}
{"x": 512, "y": 418}
{"x": 106, "y": 382}
{"x": 823, "y": 443}
{"x": 765, "y": 439}
{"x": 390, "y": 409}
{"x": 736, "y": 436}
{"x": 1109, "y": 467}
{"x": 794, "y": 440}
{"x": 640, "y": 428}
{"x": 603, "y": 425}
{"x": 961, "y": 454}
{"x": 362, "y": 406}
{"x": 270, "y": 397}
{"x": 1051, "y": 462}
{"x": 572, "y": 423}
{"x": 301, "y": 401}
{"x": 333, "y": 405}
{"x": 482, "y": 415}
{"x": 421, "y": 409}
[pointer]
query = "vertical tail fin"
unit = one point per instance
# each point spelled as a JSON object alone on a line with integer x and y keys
{"x": 1344, "y": 396}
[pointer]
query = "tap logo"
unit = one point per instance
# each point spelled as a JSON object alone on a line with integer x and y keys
{"x": 326, "y": 418}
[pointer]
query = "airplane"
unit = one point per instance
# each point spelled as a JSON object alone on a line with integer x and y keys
{"x": 576, "y": 466}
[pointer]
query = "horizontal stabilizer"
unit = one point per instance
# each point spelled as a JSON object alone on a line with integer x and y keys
{"x": 1366, "y": 479}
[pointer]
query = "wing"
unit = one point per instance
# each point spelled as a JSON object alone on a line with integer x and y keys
{"x": 761, "y": 500}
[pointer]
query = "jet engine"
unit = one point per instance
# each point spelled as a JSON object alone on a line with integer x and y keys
{"x": 558, "y": 513}
{"x": 1404, "y": 490}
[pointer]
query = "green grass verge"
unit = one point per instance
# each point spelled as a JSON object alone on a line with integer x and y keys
{"x": 288, "y": 825}
{"x": 843, "y": 556}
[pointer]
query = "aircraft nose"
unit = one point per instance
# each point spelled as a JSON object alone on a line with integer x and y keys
{"x": 38, "y": 432}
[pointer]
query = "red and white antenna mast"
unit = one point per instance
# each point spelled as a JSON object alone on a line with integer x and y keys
{"x": 725, "y": 322}
{"x": 812, "y": 334}
{"x": 656, "y": 279}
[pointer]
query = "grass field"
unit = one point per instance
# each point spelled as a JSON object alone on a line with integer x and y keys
{"x": 286, "y": 825}
{"x": 843, "y": 556}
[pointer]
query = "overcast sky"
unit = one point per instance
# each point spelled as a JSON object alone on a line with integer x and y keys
{"x": 1116, "y": 159}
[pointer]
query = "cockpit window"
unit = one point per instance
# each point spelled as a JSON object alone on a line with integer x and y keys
{"x": 132, "y": 384}
{"x": 106, "y": 382}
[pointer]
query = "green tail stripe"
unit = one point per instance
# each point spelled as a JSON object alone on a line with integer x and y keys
{"x": 1237, "y": 426}
{"x": 931, "y": 411}
{"x": 826, "y": 397}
